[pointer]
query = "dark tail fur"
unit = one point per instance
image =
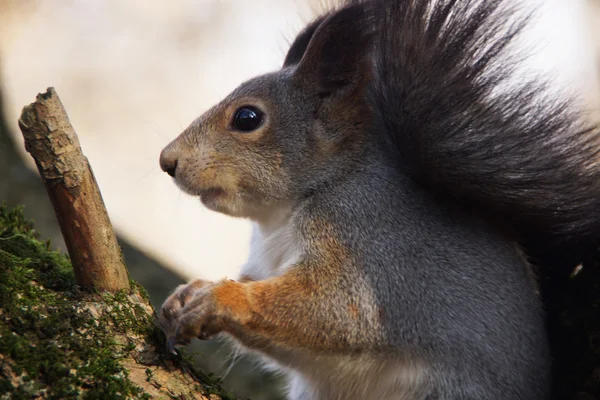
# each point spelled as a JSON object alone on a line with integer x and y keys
{"x": 519, "y": 156}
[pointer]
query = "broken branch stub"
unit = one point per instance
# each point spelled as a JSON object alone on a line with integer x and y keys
{"x": 72, "y": 188}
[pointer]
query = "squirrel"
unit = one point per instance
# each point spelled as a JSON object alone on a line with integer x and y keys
{"x": 394, "y": 179}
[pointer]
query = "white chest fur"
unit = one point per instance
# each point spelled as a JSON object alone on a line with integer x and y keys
{"x": 274, "y": 247}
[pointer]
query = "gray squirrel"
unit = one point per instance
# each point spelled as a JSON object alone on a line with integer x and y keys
{"x": 395, "y": 203}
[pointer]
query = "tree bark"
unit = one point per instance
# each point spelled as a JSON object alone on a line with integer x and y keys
{"x": 72, "y": 188}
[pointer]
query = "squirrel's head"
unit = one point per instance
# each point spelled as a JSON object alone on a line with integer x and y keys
{"x": 279, "y": 136}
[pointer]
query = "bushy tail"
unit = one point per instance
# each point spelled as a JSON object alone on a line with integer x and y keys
{"x": 457, "y": 124}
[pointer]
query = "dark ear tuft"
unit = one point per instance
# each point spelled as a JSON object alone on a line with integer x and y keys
{"x": 298, "y": 47}
{"x": 338, "y": 52}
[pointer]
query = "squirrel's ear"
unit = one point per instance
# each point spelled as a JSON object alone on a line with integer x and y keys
{"x": 298, "y": 47}
{"x": 337, "y": 53}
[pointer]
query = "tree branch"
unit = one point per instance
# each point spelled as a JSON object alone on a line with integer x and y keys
{"x": 70, "y": 183}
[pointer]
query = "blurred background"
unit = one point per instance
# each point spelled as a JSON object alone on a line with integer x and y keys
{"x": 133, "y": 74}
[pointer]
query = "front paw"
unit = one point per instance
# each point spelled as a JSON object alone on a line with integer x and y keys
{"x": 201, "y": 317}
{"x": 172, "y": 308}
{"x": 192, "y": 311}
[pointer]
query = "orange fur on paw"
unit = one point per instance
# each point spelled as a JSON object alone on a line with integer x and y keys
{"x": 232, "y": 298}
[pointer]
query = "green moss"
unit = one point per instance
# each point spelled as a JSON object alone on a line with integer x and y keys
{"x": 46, "y": 339}
{"x": 58, "y": 342}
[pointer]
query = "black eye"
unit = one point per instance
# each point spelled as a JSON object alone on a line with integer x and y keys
{"x": 247, "y": 119}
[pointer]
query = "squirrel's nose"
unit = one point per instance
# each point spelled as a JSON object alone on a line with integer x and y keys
{"x": 168, "y": 161}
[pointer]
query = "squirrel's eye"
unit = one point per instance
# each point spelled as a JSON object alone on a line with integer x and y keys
{"x": 247, "y": 119}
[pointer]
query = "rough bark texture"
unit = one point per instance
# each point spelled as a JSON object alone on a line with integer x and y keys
{"x": 70, "y": 183}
